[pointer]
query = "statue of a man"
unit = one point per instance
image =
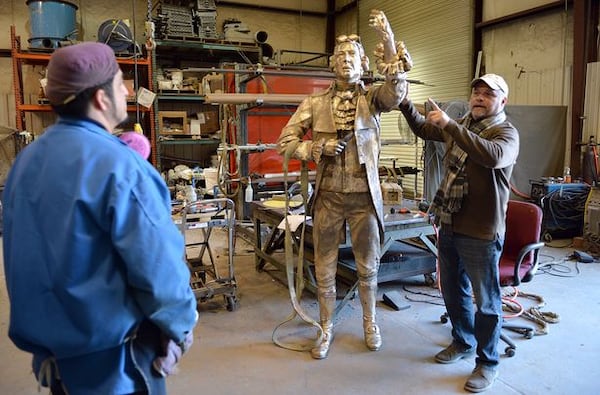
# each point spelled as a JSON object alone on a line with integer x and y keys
{"x": 345, "y": 145}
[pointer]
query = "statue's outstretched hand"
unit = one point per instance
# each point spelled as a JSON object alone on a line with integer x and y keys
{"x": 379, "y": 22}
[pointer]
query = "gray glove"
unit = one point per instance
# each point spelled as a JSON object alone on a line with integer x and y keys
{"x": 166, "y": 364}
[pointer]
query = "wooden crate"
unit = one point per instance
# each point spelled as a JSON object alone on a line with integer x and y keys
{"x": 172, "y": 122}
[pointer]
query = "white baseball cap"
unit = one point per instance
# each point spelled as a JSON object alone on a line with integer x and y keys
{"x": 494, "y": 81}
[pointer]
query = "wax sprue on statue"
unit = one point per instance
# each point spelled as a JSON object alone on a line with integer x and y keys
{"x": 345, "y": 145}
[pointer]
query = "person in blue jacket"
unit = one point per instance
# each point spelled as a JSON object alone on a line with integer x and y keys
{"x": 99, "y": 291}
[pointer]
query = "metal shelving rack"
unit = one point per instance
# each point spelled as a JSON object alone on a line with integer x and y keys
{"x": 213, "y": 53}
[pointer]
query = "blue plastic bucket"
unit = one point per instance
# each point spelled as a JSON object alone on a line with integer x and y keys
{"x": 52, "y": 21}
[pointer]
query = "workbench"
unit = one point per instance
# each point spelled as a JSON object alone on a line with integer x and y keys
{"x": 407, "y": 249}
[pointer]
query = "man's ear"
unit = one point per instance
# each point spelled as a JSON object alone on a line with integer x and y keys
{"x": 100, "y": 100}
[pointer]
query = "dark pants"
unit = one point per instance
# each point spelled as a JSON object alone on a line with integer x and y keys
{"x": 469, "y": 267}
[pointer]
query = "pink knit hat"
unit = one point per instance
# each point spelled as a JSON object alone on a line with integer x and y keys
{"x": 74, "y": 68}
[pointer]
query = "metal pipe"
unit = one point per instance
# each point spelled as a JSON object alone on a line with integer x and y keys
{"x": 248, "y": 147}
{"x": 249, "y": 98}
{"x": 289, "y": 174}
{"x": 323, "y": 74}
{"x": 308, "y": 73}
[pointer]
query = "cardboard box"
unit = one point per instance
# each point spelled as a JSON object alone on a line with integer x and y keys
{"x": 130, "y": 90}
{"x": 172, "y": 122}
{"x": 209, "y": 122}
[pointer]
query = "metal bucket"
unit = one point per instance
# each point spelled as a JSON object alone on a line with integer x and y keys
{"x": 52, "y": 22}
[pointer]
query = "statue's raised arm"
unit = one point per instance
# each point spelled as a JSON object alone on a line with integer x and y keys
{"x": 392, "y": 56}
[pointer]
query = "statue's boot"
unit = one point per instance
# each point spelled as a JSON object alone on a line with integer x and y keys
{"x": 367, "y": 294}
{"x": 326, "y": 309}
{"x": 321, "y": 350}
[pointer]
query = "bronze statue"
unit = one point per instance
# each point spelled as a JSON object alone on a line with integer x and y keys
{"x": 345, "y": 145}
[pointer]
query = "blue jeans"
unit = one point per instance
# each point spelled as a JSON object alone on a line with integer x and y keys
{"x": 469, "y": 267}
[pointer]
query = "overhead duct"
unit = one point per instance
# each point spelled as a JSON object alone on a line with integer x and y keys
{"x": 237, "y": 31}
{"x": 261, "y": 39}
{"x": 261, "y": 36}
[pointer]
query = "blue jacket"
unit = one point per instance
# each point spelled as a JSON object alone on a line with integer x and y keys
{"x": 90, "y": 252}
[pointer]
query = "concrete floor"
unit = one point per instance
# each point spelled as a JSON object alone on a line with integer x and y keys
{"x": 234, "y": 352}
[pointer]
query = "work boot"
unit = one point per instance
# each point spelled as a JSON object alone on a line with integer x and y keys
{"x": 454, "y": 353}
{"x": 322, "y": 349}
{"x": 482, "y": 378}
{"x": 372, "y": 335}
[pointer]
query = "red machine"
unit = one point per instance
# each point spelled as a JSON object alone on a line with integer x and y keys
{"x": 262, "y": 124}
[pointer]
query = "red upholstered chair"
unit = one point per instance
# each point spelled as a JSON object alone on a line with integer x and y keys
{"x": 519, "y": 260}
{"x": 522, "y": 245}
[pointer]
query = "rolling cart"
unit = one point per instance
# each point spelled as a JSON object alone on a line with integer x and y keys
{"x": 201, "y": 217}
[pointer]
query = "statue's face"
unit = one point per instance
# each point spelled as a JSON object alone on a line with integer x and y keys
{"x": 347, "y": 62}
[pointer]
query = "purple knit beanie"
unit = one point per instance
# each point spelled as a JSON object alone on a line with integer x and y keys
{"x": 74, "y": 68}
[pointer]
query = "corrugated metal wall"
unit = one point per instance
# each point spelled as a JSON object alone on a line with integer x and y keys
{"x": 438, "y": 35}
{"x": 537, "y": 65}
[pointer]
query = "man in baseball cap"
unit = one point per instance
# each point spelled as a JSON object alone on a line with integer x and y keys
{"x": 470, "y": 207}
{"x": 494, "y": 81}
{"x": 84, "y": 80}
{"x": 75, "y": 68}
